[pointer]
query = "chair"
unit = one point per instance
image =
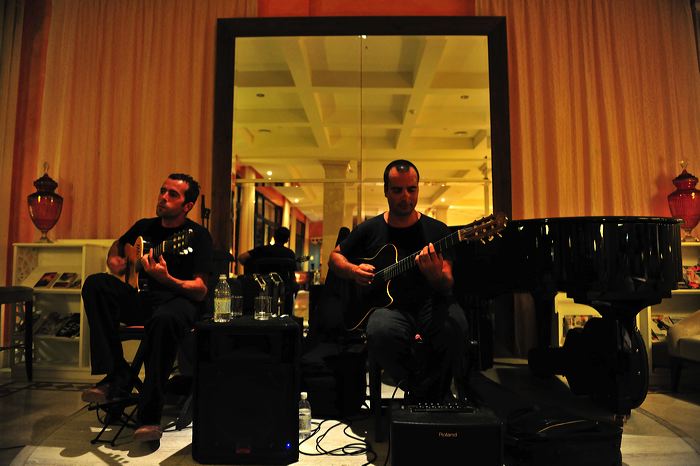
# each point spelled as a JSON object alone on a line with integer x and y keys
{"x": 376, "y": 403}
{"x": 683, "y": 342}
{"x": 23, "y": 295}
{"x": 115, "y": 411}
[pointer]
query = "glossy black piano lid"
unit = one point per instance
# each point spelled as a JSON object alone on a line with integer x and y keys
{"x": 590, "y": 258}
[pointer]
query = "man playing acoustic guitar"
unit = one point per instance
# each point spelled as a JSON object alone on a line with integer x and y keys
{"x": 415, "y": 329}
{"x": 163, "y": 289}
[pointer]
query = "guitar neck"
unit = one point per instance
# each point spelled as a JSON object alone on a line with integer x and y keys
{"x": 408, "y": 262}
{"x": 158, "y": 250}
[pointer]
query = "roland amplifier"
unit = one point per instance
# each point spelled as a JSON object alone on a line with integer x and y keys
{"x": 446, "y": 435}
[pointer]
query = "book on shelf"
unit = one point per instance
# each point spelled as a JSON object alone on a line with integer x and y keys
{"x": 46, "y": 280}
{"x": 57, "y": 324}
{"x": 660, "y": 324}
{"x": 66, "y": 280}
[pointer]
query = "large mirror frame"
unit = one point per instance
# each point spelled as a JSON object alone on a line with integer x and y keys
{"x": 494, "y": 28}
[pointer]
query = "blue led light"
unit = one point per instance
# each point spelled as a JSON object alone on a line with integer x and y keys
{"x": 288, "y": 445}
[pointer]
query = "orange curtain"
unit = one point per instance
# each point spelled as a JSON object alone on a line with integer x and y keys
{"x": 127, "y": 99}
{"x": 11, "y": 19}
{"x": 604, "y": 104}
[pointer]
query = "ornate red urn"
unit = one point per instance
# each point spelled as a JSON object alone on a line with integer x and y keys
{"x": 684, "y": 202}
{"x": 45, "y": 205}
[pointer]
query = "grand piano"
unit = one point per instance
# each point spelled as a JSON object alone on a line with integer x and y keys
{"x": 617, "y": 265}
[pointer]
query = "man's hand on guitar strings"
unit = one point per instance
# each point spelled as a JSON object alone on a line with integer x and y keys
{"x": 429, "y": 262}
{"x": 363, "y": 274}
{"x": 158, "y": 269}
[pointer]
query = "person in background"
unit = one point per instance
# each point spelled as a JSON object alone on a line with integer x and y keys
{"x": 418, "y": 332}
{"x": 269, "y": 251}
{"x": 173, "y": 288}
{"x": 262, "y": 260}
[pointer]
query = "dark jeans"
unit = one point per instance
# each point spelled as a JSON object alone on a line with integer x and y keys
{"x": 424, "y": 367}
{"x": 166, "y": 317}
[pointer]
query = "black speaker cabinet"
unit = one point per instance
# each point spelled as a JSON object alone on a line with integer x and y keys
{"x": 445, "y": 438}
{"x": 246, "y": 392}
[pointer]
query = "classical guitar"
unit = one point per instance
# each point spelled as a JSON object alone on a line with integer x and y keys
{"x": 179, "y": 243}
{"x": 388, "y": 266}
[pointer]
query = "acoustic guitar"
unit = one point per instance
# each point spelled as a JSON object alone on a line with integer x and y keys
{"x": 179, "y": 243}
{"x": 387, "y": 265}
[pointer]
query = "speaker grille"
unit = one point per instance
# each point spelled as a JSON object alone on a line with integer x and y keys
{"x": 246, "y": 393}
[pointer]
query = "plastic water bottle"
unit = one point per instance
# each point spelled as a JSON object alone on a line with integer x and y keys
{"x": 222, "y": 300}
{"x": 304, "y": 417}
{"x": 317, "y": 275}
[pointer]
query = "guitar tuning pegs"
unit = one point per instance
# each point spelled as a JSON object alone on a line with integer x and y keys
{"x": 482, "y": 241}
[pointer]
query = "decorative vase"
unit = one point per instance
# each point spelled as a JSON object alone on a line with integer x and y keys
{"x": 45, "y": 205}
{"x": 684, "y": 202}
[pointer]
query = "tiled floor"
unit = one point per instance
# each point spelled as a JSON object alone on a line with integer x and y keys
{"x": 48, "y": 424}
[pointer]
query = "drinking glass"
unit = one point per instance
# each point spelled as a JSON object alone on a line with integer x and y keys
{"x": 262, "y": 309}
{"x": 236, "y": 306}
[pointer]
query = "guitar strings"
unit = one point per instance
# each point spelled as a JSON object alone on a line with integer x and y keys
{"x": 408, "y": 262}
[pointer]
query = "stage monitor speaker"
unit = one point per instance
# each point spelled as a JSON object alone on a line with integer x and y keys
{"x": 246, "y": 392}
{"x": 448, "y": 438}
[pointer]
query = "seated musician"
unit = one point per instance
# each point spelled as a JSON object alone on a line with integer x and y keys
{"x": 172, "y": 293}
{"x": 416, "y": 331}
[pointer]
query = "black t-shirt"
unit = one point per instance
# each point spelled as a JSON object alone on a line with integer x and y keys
{"x": 182, "y": 266}
{"x": 410, "y": 290}
{"x": 271, "y": 251}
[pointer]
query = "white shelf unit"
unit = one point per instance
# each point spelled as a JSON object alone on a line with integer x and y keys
{"x": 57, "y": 357}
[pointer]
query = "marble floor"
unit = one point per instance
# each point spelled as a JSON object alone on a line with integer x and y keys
{"x": 47, "y": 424}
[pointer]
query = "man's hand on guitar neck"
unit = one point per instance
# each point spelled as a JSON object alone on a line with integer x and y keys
{"x": 435, "y": 269}
{"x": 156, "y": 268}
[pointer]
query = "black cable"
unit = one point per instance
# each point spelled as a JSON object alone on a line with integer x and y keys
{"x": 350, "y": 449}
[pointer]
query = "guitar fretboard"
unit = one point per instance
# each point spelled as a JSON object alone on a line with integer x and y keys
{"x": 408, "y": 262}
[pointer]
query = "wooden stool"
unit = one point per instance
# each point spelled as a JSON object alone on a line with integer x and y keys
{"x": 21, "y": 295}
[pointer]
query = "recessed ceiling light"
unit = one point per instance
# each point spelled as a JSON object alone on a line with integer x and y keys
{"x": 363, "y": 36}
{"x": 296, "y": 200}
{"x": 260, "y": 94}
{"x": 269, "y": 173}
{"x": 442, "y": 199}
{"x": 460, "y": 133}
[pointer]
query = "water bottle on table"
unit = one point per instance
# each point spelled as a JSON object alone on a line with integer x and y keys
{"x": 222, "y": 300}
{"x": 304, "y": 417}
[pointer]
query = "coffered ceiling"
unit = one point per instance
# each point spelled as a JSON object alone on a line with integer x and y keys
{"x": 302, "y": 103}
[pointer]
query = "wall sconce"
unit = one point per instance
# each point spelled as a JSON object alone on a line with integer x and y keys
{"x": 44, "y": 204}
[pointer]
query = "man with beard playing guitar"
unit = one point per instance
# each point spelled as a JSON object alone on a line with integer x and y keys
{"x": 167, "y": 298}
{"x": 418, "y": 333}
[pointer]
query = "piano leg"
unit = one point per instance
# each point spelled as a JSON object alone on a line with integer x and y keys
{"x": 606, "y": 360}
